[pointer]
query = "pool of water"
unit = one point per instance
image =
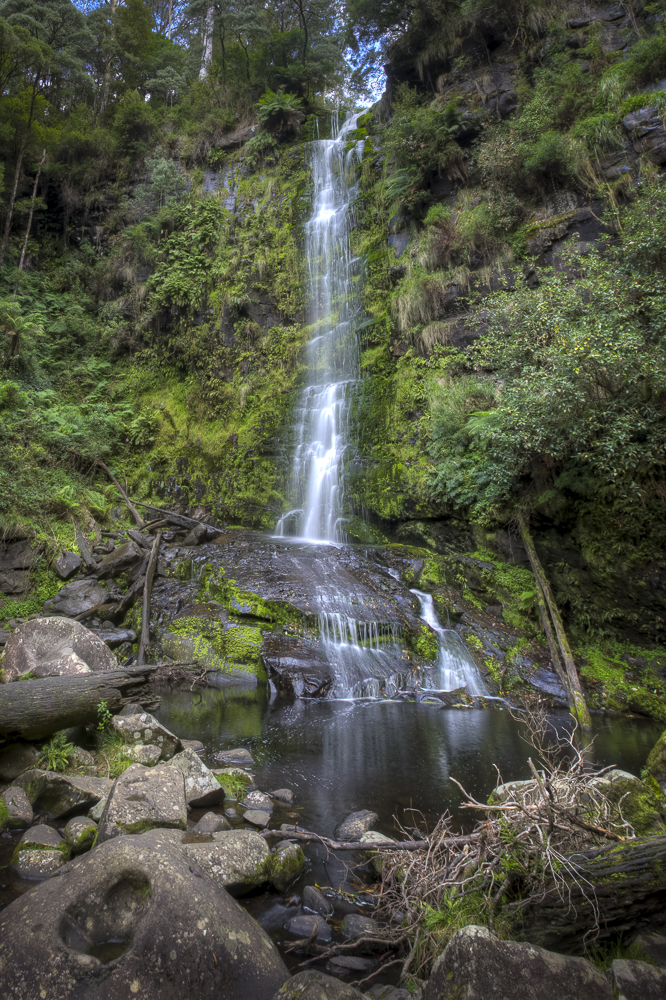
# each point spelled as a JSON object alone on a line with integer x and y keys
{"x": 396, "y": 758}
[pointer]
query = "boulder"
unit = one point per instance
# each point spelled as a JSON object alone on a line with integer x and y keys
{"x": 306, "y": 924}
{"x": 53, "y": 646}
{"x": 354, "y": 826}
{"x": 80, "y": 834}
{"x": 314, "y": 900}
{"x": 143, "y": 798}
{"x": 237, "y": 860}
{"x": 238, "y": 756}
{"x": 211, "y": 822}
{"x": 355, "y": 925}
{"x": 67, "y": 565}
{"x": 201, "y": 786}
{"x": 654, "y": 946}
{"x": 177, "y": 935}
{"x": 144, "y": 728}
{"x": 284, "y": 795}
{"x": 15, "y": 808}
{"x": 638, "y": 980}
{"x": 113, "y": 637}
{"x": 258, "y": 817}
{"x": 258, "y": 800}
{"x": 82, "y": 758}
{"x": 141, "y": 753}
{"x": 286, "y": 865}
{"x": 235, "y": 781}
{"x": 475, "y": 962}
{"x": 41, "y": 851}
{"x": 54, "y": 795}
{"x": 313, "y": 985}
{"x": 122, "y": 558}
{"x": 97, "y": 811}
{"x": 195, "y": 745}
{"x": 656, "y": 764}
{"x": 15, "y": 758}
{"x": 76, "y": 597}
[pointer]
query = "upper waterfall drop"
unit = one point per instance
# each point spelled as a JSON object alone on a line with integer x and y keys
{"x": 321, "y": 422}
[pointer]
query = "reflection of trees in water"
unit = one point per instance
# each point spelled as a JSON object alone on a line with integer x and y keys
{"x": 213, "y": 713}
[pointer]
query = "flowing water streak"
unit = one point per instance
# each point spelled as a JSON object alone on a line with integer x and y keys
{"x": 455, "y": 666}
{"x": 322, "y": 416}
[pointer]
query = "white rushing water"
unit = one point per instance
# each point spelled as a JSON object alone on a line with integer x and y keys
{"x": 321, "y": 422}
{"x": 455, "y": 666}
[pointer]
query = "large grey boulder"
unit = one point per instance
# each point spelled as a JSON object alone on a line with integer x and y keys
{"x": 55, "y": 795}
{"x": 120, "y": 560}
{"x": 142, "y": 799}
{"x": 40, "y": 853}
{"x": 76, "y": 597}
{"x": 313, "y": 985}
{"x": 237, "y": 860}
{"x": 186, "y": 939}
{"x": 476, "y": 964}
{"x": 15, "y": 758}
{"x": 54, "y": 646}
{"x": 145, "y": 728}
{"x": 201, "y": 786}
{"x": 638, "y": 980}
{"x": 15, "y": 808}
{"x": 354, "y": 826}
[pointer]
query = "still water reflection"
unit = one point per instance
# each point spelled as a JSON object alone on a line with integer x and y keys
{"x": 339, "y": 756}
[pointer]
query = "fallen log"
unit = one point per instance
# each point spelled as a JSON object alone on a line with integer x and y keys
{"x": 351, "y": 845}
{"x": 609, "y": 890}
{"x": 145, "y": 617}
{"x": 179, "y": 519}
{"x": 35, "y": 709}
{"x": 130, "y": 506}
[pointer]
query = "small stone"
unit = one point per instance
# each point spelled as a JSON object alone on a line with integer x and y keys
{"x": 36, "y": 864}
{"x": 95, "y": 813}
{"x": 211, "y": 823}
{"x": 341, "y": 965}
{"x": 314, "y": 900}
{"x": 355, "y": 825}
{"x": 67, "y": 565}
{"x": 304, "y": 925}
{"x": 17, "y": 806}
{"x": 257, "y": 817}
{"x": 356, "y": 925}
{"x": 81, "y": 758}
{"x": 195, "y": 745}
{"x": 284, "y": 795}
{"x": 231, "y": 813}
{"x": 237, "y": 756}
{"x": 80, "y": 834}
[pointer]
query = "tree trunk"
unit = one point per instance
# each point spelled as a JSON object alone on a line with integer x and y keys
{"x": 29, "y": 226}
{"x": 36, "y": 709}
{"x": 579, "y": 709}
{"x": 626, "y": 882}
{"x": 148, "y": 586}
{"x": 207, "y": 54}
{"x": 12, "y": 199}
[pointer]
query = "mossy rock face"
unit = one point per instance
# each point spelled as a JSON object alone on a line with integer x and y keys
{"x": 640, "y": 806}
{"x": 235, "y": 781}
{"x": 285, "y": 865}
{"x": 425, "y": 643}
{"x": 233, "y": 651}
{"x": 656, "y": 763}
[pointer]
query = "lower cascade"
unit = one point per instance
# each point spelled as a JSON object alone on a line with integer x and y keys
{"x": 455, "y": 667}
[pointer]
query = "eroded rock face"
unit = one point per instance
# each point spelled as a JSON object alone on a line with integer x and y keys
{"x": 54, "y": 646}
{"x": 144, "y": 728}
{"x": 475, "y": 962}
{"x": 142, "y": 799}
{"x": 54, "y": 795}
{"x": 186, "y": 938}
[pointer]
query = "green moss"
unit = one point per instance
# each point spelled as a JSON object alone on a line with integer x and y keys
{"x": 656, "y": 763}
{"x": 284, "y": 866}
{"x": 425, "y": 643}
{"x": 640, "y": 806}
{"x": 4, "y": 814}
{"x": 144, "y": 825}
{"x": 230, "y": 650}
{"x": 235, "y": 782}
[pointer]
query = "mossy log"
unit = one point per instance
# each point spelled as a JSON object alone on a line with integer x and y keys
{"x": 609, "y": 891}
{"x": 35, "y": 709}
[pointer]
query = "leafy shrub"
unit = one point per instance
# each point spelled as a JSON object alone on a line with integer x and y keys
{"x": 57, "y": 752}
{"x": 279, "y": 112}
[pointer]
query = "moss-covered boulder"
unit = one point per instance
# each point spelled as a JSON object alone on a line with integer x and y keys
{"x": 80, "y": 834}
{"x": 638, "y": 802}
{"x": 656, "y": 764}
{"x": 40, "y": 853}
{"x": 285, "y": 865}
{"x": 235, "y": 781}
{"x": 231, "y": 650}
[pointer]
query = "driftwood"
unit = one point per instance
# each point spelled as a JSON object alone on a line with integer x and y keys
{"x": 148, "y": 586}
{"x": 575, "y": 695}
{"x": 130, "y": 506}
{"x": 35, "y": 709}
{"x": 178, "y": 519}
{"x": 351, "y": 845}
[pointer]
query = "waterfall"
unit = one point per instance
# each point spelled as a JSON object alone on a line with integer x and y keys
{"x": 455, "y": 666}
{"x": 322, "y": 416}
